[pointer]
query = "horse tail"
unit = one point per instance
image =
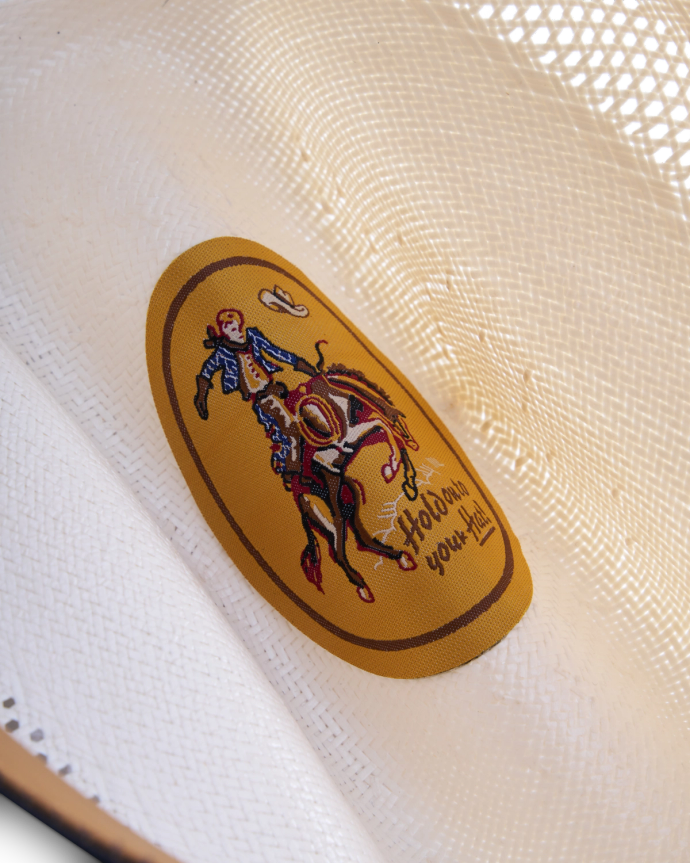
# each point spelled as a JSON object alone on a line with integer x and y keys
{"x": 319, "y": 365}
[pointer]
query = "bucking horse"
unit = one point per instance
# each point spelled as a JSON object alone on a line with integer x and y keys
{"x": 316, "y": 431}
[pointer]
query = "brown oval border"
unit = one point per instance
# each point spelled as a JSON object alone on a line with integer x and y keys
{"x": 373, "y": 644}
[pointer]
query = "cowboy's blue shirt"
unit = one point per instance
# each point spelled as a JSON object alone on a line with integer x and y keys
{"x": 225, "y": 358}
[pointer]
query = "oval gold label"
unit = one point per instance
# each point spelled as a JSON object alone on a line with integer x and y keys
{"x": 323, "y": 472}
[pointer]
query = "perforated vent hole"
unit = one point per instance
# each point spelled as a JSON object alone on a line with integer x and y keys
{"x": 602, "y": 80}
{"x": 607, "y": 55}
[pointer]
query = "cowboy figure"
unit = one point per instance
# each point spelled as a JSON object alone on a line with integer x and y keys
{"x": 240, "y": 356}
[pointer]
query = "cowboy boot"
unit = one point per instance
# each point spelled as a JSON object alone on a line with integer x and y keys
{"x": 203, "y": 385}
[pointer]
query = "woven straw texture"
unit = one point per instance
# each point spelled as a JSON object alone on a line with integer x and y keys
{"x": 497, "y": 194}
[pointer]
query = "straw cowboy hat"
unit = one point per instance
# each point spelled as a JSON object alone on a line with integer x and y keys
{"x": 497, "y": 194}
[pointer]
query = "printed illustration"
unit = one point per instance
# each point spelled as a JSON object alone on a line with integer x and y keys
{"x": 315, "y": 431}
{"x": 322, "y": 470}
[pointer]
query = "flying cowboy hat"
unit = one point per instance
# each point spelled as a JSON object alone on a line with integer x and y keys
{"x": 280, "y": 300}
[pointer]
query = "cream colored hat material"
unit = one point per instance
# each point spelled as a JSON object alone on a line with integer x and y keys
{"x": 496, "y": 194}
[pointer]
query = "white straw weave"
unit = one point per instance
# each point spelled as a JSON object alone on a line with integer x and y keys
{"x": 497, "y": 194}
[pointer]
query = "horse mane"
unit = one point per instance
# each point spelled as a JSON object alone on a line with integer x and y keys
{"x": 340, "y": 369}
